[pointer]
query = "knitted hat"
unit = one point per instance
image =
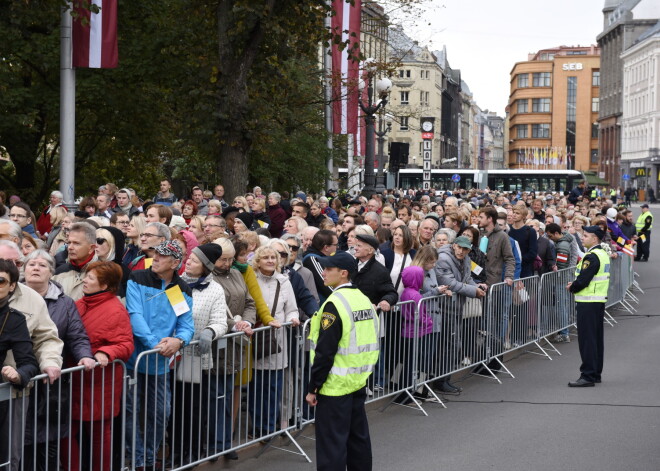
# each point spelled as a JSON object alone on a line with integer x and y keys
{"x": 208, "y": 254}
{"x": 246, "y": 218}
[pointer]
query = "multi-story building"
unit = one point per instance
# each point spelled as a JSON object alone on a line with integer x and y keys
{"x": 640, "y": 146}
{"x": 465, "y": 149}
{"x": 553, "y": 106}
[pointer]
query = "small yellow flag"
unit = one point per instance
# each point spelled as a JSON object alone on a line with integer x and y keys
{"x": 177, "y": 300}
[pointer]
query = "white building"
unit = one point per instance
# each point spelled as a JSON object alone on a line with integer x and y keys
{"x": 640, "y": 143}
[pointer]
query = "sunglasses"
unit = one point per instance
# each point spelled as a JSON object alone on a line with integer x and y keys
{"x": 4, "y": 281}
{"x": 283, "y": 254}
{"x": 294, "y": 248}
{"x": 100, "y": 241}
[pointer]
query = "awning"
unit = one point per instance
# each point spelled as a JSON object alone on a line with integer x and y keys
{"x": 595, "y": 180}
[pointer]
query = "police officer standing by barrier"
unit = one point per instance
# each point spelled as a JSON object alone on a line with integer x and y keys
{"x": 344, "y": 350}
{"x": 643, "y": 226}
{"x": 590, "y": 289}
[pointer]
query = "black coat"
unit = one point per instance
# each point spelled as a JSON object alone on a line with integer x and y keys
{"x": 375, "y": 282}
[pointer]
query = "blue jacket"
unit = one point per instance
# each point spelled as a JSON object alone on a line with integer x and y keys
{"x": 304, "y": 298}
{"x": 516, "y": 254}
{"x": 153, "y": 318}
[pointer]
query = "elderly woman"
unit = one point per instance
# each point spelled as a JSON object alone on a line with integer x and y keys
{"x": 453, "y": 270}
{"x": 444, "y": 237}
{"x": 295, "y": 225}
{"x": 39, "y": 267}
{"x": 97, "y": 394}
{"x": 192, "y": 372}
{"x": 266, "y": 392}
{"x": 14, "y": 335}
{"x": 189, "y": 210}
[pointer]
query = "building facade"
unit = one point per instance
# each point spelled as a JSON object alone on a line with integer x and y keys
{"x": 640, "y": 143}
{"x": 623, "y": 23}
{"x": 553, "y": 106}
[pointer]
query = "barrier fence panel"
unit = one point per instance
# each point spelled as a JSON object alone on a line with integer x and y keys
{"x": 201, "y": 406}
{"x": 556, "y": 304}
{"x": 75, "y": 423}
{"x": 513, "y": 317}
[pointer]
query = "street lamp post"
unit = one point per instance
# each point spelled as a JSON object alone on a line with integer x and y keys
{"x": 383, "y": 87}
{"x": 380, "y": 135}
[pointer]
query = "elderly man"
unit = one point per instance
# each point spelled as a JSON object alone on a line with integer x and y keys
{"x": 154, "y": 233}
{"x": 308, "y": 234}
{"x": 159, "y": 304}
{"x": 103, "y": 206}
{"x": 276, "y": 214}
{"x": 427, "y": 229}
{"x": 11, "y": 231}
{"x": 372, "y": 219}
{"x": 372, "y": 278}
{"x": 81, "y": 251}
{"x": 214, "y": 227}
{"x": 46, "y": 344}
{"x": 324, "y": 203}
{"x": 373, "y": 205}
{"x": 44, "y": 225}
{"x": 453, "y": 269}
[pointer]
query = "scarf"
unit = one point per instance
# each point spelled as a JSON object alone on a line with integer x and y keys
{"x": 242, "y": 267}
{"x": 80, "y": 266}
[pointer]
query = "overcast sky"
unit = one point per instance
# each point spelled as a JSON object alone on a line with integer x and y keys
{"x": 485, "y": 38}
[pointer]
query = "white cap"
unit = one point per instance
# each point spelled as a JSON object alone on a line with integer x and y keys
{"x": 611, "y": 214}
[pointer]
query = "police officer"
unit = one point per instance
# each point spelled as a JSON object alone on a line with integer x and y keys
{"x": 643, "y": 227}
{"x": 592, "y": 279}
{"x": 344, "y": 349}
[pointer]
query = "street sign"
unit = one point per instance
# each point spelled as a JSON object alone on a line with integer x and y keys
{"x": 427, "y": 176}
{"x": 427, "y": 165}
{"x": 427, "y": 145}
{"x": 456, "y": 178}
{"x": 626, "y": 177}
{"x": 426, "y": 186}
{"x": 427, "y": 135}
{"x": 426, "y": 155}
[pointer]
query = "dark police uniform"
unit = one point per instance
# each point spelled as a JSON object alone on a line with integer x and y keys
{"x": 344, "y": 350}
{"x": 590, "y": 290}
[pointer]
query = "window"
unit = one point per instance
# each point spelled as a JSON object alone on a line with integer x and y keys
{"x": 522, "y": 106}
{"x": 595, "y": 78}
{"x": 424, "y": 98}
{"x": 425, "y": 74}
{"x": 523, "y": 80}
{"x": 594, "y": 130}
{"x": 403, "y": 123}
{"x": 521, "y": 131}
{"x": 594, "y": 156}
{"x": 541, "y": 131}
{"x": 404, "y": 73}
{"x": 540, "y": 105}
{"x": 576, "y": 53}
{"x": 404, "y": 98}
{"x": 594, "y": 104}
{"x": 541, "y": 79}
{"x": 571, "y": 101}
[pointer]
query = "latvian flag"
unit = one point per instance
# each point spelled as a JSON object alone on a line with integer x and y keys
{"x": 627, "y": 249}
{"x": 562, "y": 257}
{"x": 94, "y": 35}
{"x": 345, "y": 69}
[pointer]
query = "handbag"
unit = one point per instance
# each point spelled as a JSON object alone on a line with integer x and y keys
{"x": 520, "y": 294}
{"x": 269, "y": 343}
{"x": 472, "y": 308}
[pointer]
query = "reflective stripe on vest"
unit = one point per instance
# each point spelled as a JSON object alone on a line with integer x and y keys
{"x": 596, "y": 291}
{"x": 358, "y": 348}
{"x": 639, "y": 224}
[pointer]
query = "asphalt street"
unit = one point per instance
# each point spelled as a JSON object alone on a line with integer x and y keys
{"x": 532, "y": 422}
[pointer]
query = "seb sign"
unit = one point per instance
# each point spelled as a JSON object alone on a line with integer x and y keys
{"x": 572, "y": 66}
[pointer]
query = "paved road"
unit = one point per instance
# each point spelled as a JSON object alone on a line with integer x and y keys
{"x": 532, "y": 422}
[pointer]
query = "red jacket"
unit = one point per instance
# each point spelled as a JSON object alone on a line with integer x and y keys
{"x": 43, "y": 223}
{"x": 109, "y": 329}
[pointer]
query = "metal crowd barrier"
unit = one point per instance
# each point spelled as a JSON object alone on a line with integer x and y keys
{"x": 248, "y": 391}
{"x": 78, "y": 422}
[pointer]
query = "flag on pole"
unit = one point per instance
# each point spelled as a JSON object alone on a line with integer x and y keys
{"x": 345, "y": 69}
{"x": 94, "y": 35}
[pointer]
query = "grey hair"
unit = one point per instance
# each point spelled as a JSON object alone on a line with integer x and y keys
{"x": 14, "y": 229}
{"x": 41, "y": 253}
{"x": 294, "y": 237}
{"x": 283, "y": 244}
{"x": 275, "y": 195}
{"x": 12, "y": 245}
{"x": 451, "y": 234}
{"x": 87, "y": 229}
{"x": 57, "y": 194}
{"x": 323, "y": 199}
{"x": 226, "y": 245}
{"x": 372, "y": 215}
{"x": 162, "y": 229}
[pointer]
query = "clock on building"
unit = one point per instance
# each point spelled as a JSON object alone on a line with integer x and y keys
{"x": 427, "y": 126}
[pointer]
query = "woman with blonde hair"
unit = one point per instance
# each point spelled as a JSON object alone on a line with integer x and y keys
{"x": 62, "y": 237}
{"x": 241, "y": 203}
{"x": 57, "y": 215}
{"x": 136, "y": 226}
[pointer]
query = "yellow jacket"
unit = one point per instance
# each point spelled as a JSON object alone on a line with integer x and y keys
{"x": 263, "y": 313}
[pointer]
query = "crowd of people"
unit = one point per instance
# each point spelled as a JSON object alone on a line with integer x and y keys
{"x": 123, "y": 275}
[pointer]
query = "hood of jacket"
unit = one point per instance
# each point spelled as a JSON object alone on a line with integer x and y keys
{"x": 446, "y": 252}
{"x": 120, "y": 242}
{"x": 413, "y": 277}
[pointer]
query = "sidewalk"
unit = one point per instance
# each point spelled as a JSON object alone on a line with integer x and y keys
{"x": 532, "y": 422}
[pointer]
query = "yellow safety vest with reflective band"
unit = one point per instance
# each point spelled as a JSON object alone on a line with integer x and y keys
{"x": 594, "y": 193}
{"x": 596, "y": 291}
{"x": 641, "y": 221}
{"x": 612, "y": 192}
{"x": 358, "y": 348}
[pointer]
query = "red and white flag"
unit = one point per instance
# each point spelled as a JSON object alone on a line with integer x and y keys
{"x": 627, "y": 249}
{"x": 562, "y": 257}
{"x": 345, "y": 69}
{"x": 94, "y": 35}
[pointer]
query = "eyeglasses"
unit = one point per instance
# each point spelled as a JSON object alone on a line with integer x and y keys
{"x": 124, "y": 223}
{"x": 146, "y": 235}
{"x": 294, "y": 248}
{"x": 209, "y": 226}
{"x": 283, "y": 254}
{"x": 17, "y": 216}
{"x": 100, "y": 241}
{"x": 4, "y": 281}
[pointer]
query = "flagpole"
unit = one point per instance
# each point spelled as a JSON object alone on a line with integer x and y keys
{"x": 327, "y": 83}
{"x": 67, "y": 109}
